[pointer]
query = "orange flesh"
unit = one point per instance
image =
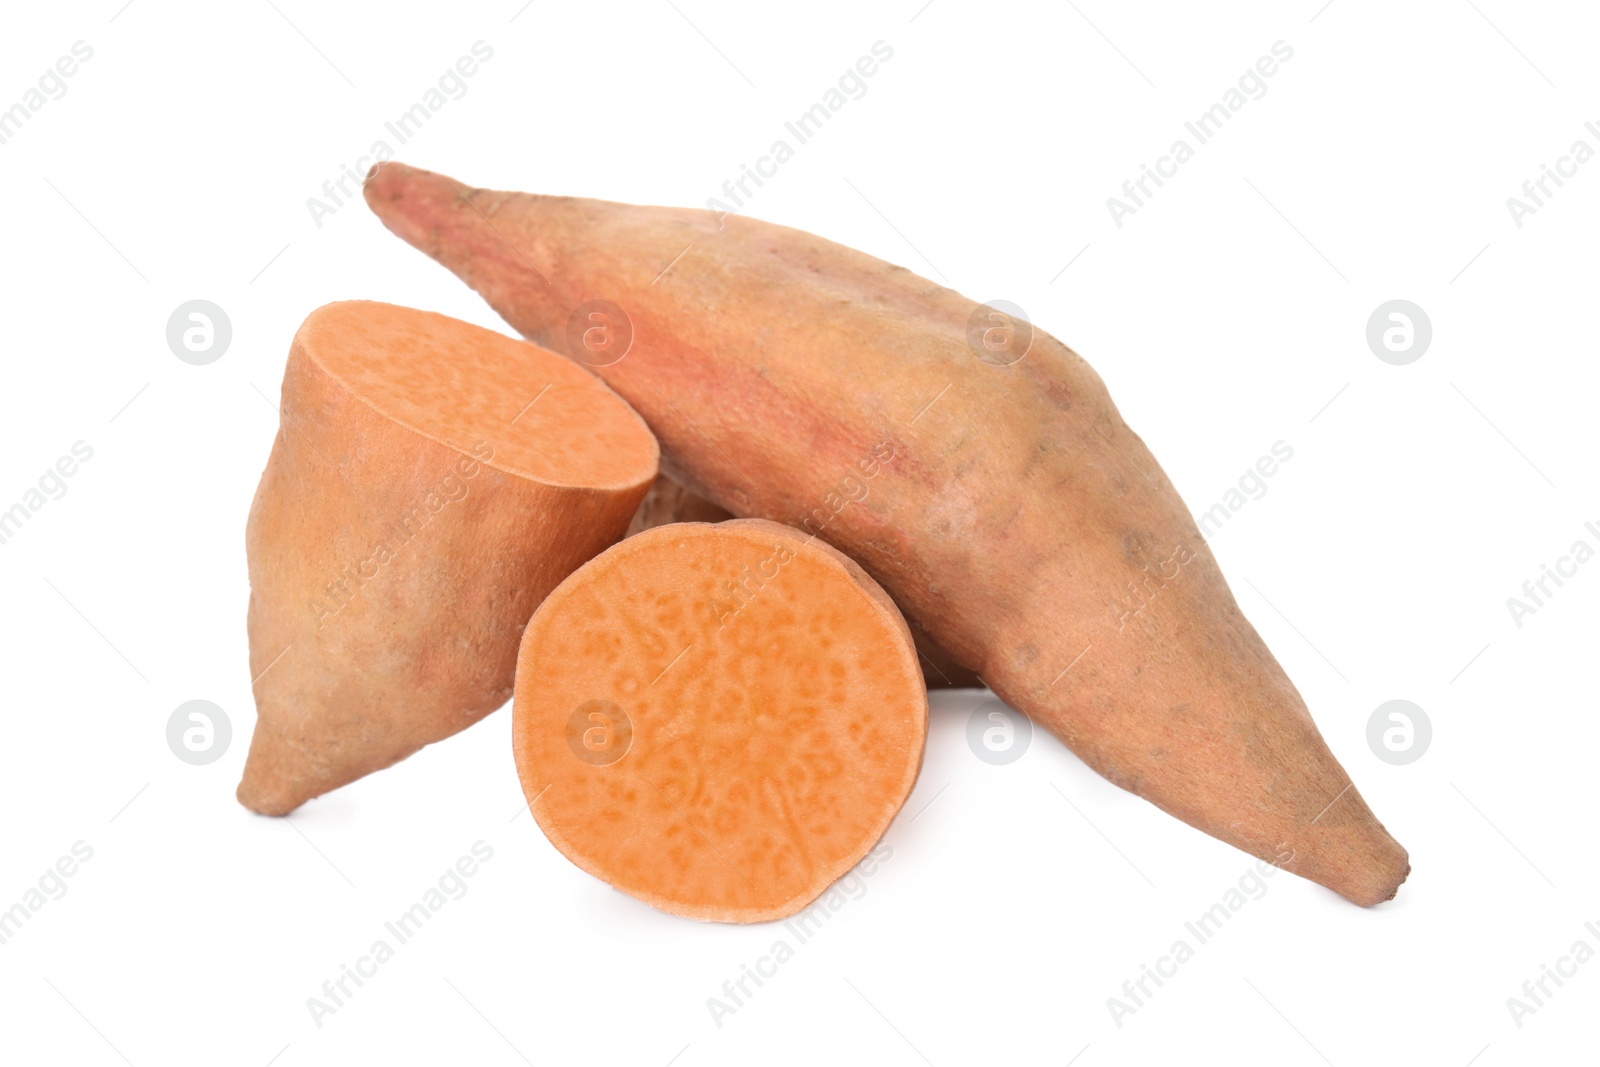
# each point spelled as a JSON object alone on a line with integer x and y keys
{"x": 462, "y": 385}
{"x": 718, "y": 758}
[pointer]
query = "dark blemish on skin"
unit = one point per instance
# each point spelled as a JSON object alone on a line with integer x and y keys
{"x": 1134, "y": 547}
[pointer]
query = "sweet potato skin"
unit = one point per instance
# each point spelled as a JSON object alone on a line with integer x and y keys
{"x": 1047, "y": 549}
{"x": 359, "y": 656}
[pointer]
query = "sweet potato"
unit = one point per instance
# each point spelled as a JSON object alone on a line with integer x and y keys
{"x": 430, "y": 483}
{"x": 1011, "y": 511}
{"x": 668, "y": 501}
{"x": 723, "y": 756}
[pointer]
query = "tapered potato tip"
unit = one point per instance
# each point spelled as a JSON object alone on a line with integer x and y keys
{"x": 970, "y": 462}
{"x": 279, "y": 777}
{"x": 429, "y": 200}
{"x": 430, "y": 483}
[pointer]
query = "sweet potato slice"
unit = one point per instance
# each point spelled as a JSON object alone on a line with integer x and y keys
{"x": 430, "y": 483}
{"x": 720, "y": 756}
{"x": 669, "y": 501}
{"x": 1012, "y": 511}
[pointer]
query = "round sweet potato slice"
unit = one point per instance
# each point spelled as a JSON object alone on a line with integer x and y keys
{"x": 718, "y": 719}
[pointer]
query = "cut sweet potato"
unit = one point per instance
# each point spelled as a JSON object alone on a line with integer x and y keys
{"x": 1011, "y": 510}
{"x": 668, "y": 501}
{"x": 431, "y": 481}
{"x": 719, "y": 756}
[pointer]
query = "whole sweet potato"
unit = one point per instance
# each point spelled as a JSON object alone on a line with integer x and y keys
{"x": 1008, "y": 508}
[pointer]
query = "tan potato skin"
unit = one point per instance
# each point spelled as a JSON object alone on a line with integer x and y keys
{"x": 1016, "y": 516}
{"x": 355, "y": 673}
{"x": 668, "y": 501}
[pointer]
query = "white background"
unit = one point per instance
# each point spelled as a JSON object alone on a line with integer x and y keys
{"x": 1225, "y": 316}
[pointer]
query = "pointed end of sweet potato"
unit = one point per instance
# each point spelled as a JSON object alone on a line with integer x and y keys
{"x": 413, "y": 203}
{"x": 1381, "y": 881}
{"x": 1356, "y": 858}
{"x": 265, "y": 789}
{"x": 500, "y": 255}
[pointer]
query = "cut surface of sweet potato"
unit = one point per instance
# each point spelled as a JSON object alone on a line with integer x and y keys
{"x": 718, "y": 719}
{"x": 431, "y": 481}
{"x": 462, "y": 385}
